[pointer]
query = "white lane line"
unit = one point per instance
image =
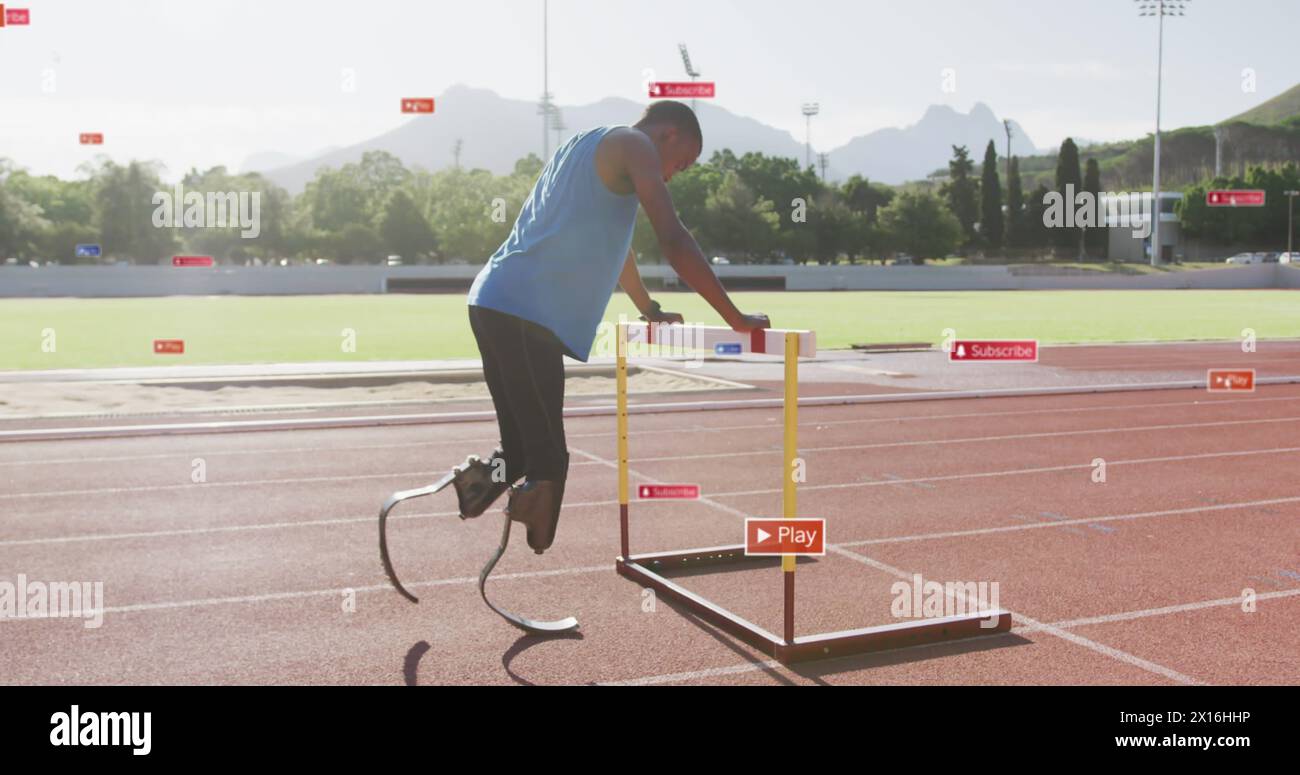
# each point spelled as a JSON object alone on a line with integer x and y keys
{"x": 747, "y": 667}
{"x": 1078, "y": 640}
{"x": 590, "y": 410}
{"x": 258, "y": 526}
{"x": 608, "y": 503}
{"x": 207, "y": 485}
{"x": 632, "y": 474}
{"x": 1060, "y": 522}
{"x": 806, "y": 426}
{"x": 1128, "y": 616}
{"x": 978, "y": 439}
{"x": 276, "y": 596}
{"x": 424, "y": 475}
{"x": 597, "y": 460}
{"x": 722, "y": 494}
{"x": 1019, "y": 471}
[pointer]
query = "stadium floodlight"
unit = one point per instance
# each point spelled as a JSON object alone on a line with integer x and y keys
{"x": 1159, "y": 9}
{"x": 691, "y": 71}
{"x": 546, "y": 109}
{"x": 810, "y": 109}
{"x": 557, "y": 123}
{"x": 1006, "y": 124}
{"x": 544, "y": 106}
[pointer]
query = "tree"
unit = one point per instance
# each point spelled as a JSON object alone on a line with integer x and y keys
{"x": 21, "y": 221}
{"x": 1226, "y": 225}
{"x": 469, "y": 222}
{"x": 991, "y": 200}
{"x": 739, "y": 221}
{"x": 833, "y": 225}
{"x": 1035, "y": 229}
{"x": 918, "y": 223}
{"x": 1094, "y": 239}
{"x": 1015, "y": 232}
{"x": 1068, "y": 182}
{"x": 356, "y": 244}
{"x": 960, "y": 191}
{"x": 125, "y": 207}
{"x": 403, "y": 230}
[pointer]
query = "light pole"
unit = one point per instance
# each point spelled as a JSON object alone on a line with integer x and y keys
{"x": 810, "y": 109}
{"x": 557, "y": 123}
{"x": 1290, "y": 232}
{"x": 691, "y": 71}
{"x": 1159, "y": 9}
{"x": 1006, "y": 124}
{"x": 544, "y": 107}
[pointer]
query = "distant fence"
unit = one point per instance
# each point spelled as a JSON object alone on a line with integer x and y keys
{"x": 122, "y": 281}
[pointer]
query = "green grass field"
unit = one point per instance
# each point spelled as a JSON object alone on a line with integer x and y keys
{"x": 232, "y": 329}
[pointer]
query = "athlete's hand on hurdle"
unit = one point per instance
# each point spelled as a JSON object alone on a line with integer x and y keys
{"x": 747, "y": 323}
{"x": 659, "y": 316}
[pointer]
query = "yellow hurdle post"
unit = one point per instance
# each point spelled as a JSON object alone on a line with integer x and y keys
{"x": 621, "y": 375}
{"x": 789, "y": 506}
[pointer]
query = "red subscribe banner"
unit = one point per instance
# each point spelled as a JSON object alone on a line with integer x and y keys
{"x": 192, "y": 261}
{"x": 689, "y": 89}
{"x": 671, "y": 491}
{"x": 1230, "y": 380}
{"x": 1014, "y": 350}
{"x": 92, "y": 138}
{"x": 1235, "y": 198}
{"x": 802, "y": 537}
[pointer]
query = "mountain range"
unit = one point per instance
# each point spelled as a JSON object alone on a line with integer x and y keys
{"x": 495, "y": 132}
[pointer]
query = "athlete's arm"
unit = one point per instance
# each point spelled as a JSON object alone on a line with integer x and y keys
{"x": 679, "y": 247}
{"x": 630, "y": 281}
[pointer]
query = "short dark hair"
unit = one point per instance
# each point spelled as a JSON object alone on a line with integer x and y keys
{"x": 675, "y": 114}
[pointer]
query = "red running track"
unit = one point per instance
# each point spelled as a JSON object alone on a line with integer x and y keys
{"x": 268, "y": 571}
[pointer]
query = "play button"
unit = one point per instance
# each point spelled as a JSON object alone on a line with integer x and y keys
{"x": 800, "y": 537}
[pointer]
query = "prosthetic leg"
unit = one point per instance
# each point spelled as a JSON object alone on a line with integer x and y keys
{"x": 476, "y": 490}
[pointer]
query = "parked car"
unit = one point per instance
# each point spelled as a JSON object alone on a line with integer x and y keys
{"x": 720, "y": 261}
{"x": 1244, "y": 258}
{"x": 1289, "y": 258}
{"x": 1270, "y": 258}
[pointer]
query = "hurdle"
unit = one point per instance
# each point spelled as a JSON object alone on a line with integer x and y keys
{"x": 649, "y": 569}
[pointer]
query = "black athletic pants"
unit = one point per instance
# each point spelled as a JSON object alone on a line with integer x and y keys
{"x": 524, "y": 368}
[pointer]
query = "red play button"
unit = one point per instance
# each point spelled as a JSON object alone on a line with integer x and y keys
{"x": 1225, "y": 380}
{"x": 785, "y": 536}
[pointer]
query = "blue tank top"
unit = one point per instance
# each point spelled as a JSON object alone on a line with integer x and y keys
{"x": 564, "y": 255}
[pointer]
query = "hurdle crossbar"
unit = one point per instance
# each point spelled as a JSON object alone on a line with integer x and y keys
{"x": 649, "y": 569}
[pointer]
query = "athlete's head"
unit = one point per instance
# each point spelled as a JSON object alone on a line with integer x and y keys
{"x": 676, "y": 134}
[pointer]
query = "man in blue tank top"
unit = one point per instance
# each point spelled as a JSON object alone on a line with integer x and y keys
{"x": 543, "y": 293}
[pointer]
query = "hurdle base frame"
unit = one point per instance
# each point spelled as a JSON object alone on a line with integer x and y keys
{"x": 642, "y": 568}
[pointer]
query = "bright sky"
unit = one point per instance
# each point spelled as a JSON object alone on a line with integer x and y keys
{"x": 198, "y": 82}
